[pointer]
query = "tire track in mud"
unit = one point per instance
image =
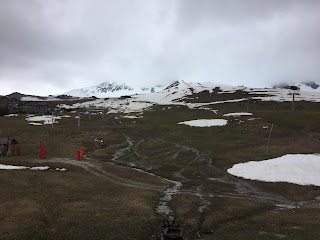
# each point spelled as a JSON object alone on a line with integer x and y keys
{"x": 94, "y": 167}
{"x": 243, "y": 190}
{"x": 163, "y": 207}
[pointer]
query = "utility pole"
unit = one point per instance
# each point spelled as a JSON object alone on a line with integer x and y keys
{"x": 79, "y": 121}
{"x": 267, "y": 150}
{"x": 293, "y": 101}
{"x": 52, "y": 120}
{"x": 295, "y": 91}
{"x": 247, "y": 103}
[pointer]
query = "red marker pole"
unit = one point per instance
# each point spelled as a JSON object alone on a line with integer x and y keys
{"x": 40, "y": 153}
{"x": 44, "y": 152}
{"x": 18, "y": 150}
{"x": 78, "y": 155}
{"x": 81, "y": 151}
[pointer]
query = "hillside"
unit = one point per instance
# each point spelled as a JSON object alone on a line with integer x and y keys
{"x": 197, "y": 95}
{"x": 198, "y": 152}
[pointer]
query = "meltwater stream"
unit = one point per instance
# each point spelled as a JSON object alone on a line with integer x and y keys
{"x": 163, "y": 206}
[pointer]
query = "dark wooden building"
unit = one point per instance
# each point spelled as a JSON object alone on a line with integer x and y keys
{"x": 13, "y": 104}
{"x": 35, "y": 107}
{"x": 7, "y": 146}
{"x": 3, "y": 106}
{"x": 31, "y": 107}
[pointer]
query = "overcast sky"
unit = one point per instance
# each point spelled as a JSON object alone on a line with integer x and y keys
{"x": 53, "y": 46}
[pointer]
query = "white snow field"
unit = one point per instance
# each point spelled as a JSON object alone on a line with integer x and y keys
{"x": 302, "y": 169}
{"x": 237, "y": 114}
{"x": 205, "y": 122}
{"x": 11, "y": 115}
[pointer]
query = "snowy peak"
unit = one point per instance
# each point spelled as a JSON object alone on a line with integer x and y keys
{"x": 111, "y": 89}
{"x": 195, "y": 95}
{"x": 105, "y": 89}
{"x": 312, "y": 84}
{"x": 174, "y": 84}
{"x": 307, "y": 86}
{"x": 183, "y": 91}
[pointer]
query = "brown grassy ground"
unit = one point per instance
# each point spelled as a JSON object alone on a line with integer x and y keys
{"x": 98, "y": 200}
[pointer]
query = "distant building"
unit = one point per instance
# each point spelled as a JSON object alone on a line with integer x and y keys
{"x": 14, "y": 105}
{"x": 35, "y": 107}
{"x": 7, "y": 146}
{"x": 3, "y": 106}
{"x": 94, "y": 108}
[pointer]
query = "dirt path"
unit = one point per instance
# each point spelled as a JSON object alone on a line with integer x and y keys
{"x": 95, "y": 167}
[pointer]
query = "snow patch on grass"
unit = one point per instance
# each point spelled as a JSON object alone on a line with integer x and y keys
{"x": 132, "y": 117}
{"x": 61, "y": 169}
{"x": 46, "y": 119}
{"x": 37, "y": 168}
{"x": 35, "y": 124}
{"x": 302, "y": 169}
{"x": 237, "y": 114}
{"x": 11, "y": 167}
{"x": 205, "y": 122}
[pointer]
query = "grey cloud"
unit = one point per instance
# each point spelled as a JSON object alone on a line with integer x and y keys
{"x": 237, "y": 11}
{"x": 66, "y": 44}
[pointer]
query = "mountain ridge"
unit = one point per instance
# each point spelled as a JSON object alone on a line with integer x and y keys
{"x": 111, "y": 89}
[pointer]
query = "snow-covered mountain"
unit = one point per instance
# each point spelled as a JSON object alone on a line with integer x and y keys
{"x": 111, "y": 89}
{"x": 196, "y": 95}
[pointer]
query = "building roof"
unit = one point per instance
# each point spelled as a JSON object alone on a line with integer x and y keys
{"x": 5, "y": 140}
